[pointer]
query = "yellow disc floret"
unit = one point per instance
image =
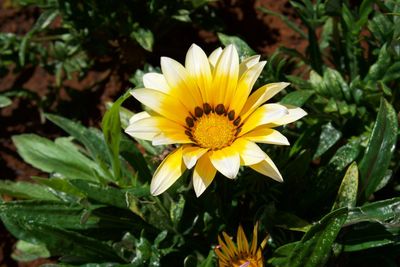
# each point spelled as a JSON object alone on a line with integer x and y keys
{"x": 212, "y": 128}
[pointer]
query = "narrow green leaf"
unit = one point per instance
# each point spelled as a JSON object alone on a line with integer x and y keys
{"x": 243, "y": 48}
{"x": 378, "y": 211}
{"x": 60, "y": 157}
{"x": 111, "y": 125}
{"x": 347, "y": 195}
{"x": 315, "y": 246}
{"x": 25, "y": 190}
{"x": 379, "y": 150}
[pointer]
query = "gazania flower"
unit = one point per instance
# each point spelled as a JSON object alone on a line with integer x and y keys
{"x": 205, "y": 107}
{"x": 240, "y": 254}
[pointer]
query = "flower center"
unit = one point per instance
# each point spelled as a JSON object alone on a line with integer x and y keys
{"x": 213, "y": 128}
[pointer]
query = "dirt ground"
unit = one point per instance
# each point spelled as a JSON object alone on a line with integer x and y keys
{"x": 84, "y": 101}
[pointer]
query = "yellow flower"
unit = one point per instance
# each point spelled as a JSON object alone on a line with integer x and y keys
{"x": 241, "y": 254}
{"x": 206, "y": 107}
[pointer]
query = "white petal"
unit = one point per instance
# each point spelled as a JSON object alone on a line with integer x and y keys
{"x": 203, "y": 174}
{"x": 198, "y": 66}
{"x": 268, "y": 168}
{"x": 138, "y": 116}
{"x": 248, "y": 63}
{"x": 266, "y": 135}
{"x": 260, "y": 96}
{"x": 226, "y": 161}
{"x": 214, "y": 56}
{"x": 294, "y": 114}
{"x": 161, "y": 103}
{"x": 250, "y": 153}
{"x": 169, "y": 138}
{"x": 263, "y": 115}
{"x": 156, "y": 81}
{"x": 191, "y": 154}
{"x": 168, "y": 172}
{"x": 225, "y": 76}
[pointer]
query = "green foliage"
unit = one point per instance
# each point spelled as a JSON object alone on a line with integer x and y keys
{"x": 339, "y": 200}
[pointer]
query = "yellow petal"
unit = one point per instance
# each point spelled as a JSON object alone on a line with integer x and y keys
{"x": 148, "y": 127}
{"x": 156, "y": 81}
{"x": 182, "y": 85}
{"x": 250, "y": 153}
{"x": 191, "y": 154}
{"x": 214, "y": 56}
{"x": 226, "y": 74}
{"x": 198, "y": 66}
{"x": 229, "y": 243}
{"x": 203, "y": 174}
{"x": 268, "y": 168}
{"x": 245, "y": 85}
{"x": 253, "y": 247}
{"x": 266, "y": 135}
{"x": 243, "y": 244}
{"x": 226, "y": 161}
{"x": 168, "y": 172}
{"x": 260, "y": 96}
{"x": 248, "y": 63}
{"x": 169, "y": 138}
{"x": 161, "y": 103}
{"x": 263, "y": 115}
{"x": 294, "y": 114}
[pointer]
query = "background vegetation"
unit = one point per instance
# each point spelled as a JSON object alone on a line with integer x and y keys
{"x": 90, "y": 203}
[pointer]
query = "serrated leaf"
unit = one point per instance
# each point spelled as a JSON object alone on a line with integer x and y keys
{"x": 379, "y": 150}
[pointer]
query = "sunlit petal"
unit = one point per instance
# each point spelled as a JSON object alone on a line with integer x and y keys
{"x": 203, "y": 174}
{"x": 168, "y": 172}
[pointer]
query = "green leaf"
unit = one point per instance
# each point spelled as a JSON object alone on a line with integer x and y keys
{"x": 60, "y": 156}
{"x": 378, "y": 211}
{"x": 111, "y": 125}
{"x": 176, "y": 210}
{"x": 315, "y": 246}
{"x": 347, "y": 195}
{"x": 281, "y": 255}
{"x": 379, "y": 150}
{"x": 144, "y": 37}
{"x": 91, "y": 138}
{"x": 329, "y": 136}
{"x": 297, "y": 98}
{"x": 26, "y": 251}
{"x": 101, "y": 193}
{"x": 4, "y": 101}
{"x": 242, "y": 47}
{"x": 25, "y": 190}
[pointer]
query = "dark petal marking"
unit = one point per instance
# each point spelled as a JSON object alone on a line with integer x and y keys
{"x": 198, "y": 112}
{"x": 238, "y": 130}
{"x": 189, "y": 122}
{"x": 231, "y": 115}
{"x": 188, "y": 133}
{"x": 237, "y": 121}
{"x": 220, "y": 109}
{"x": 207, "y": 108}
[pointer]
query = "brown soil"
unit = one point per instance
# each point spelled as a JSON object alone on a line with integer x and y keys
{"x": 84, "y": 99}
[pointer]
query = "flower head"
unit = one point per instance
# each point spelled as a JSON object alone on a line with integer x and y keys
{"x": 206, "y": 108}
{"x": 240, "y": 254}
